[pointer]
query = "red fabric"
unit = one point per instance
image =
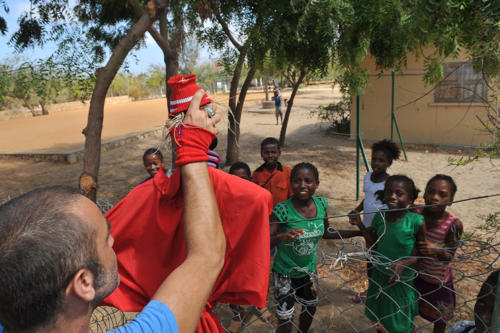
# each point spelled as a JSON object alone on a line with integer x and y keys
{"x": 192, "y": 143}
{"x": 183, "y": 89}
{"x": 149, "y": 242}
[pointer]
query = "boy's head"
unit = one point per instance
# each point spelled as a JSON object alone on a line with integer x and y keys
{"x": 153, "y": 161}
{"x": 483, "y": 310}
{"x": 270, "y": 151}
{"x": 241, "y": 170}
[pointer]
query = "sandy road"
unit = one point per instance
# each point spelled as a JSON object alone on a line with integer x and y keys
{"x": 62, "y": 131}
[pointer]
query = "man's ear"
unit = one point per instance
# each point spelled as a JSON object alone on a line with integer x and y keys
{"x": 82, "y": 285}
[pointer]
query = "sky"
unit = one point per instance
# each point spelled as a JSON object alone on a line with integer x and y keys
{"x": 151, "y": 54}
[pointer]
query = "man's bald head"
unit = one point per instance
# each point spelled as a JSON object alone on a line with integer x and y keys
{"x": 43, "y": 245}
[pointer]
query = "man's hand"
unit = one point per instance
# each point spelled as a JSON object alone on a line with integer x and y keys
{"x": 198, "y": 117}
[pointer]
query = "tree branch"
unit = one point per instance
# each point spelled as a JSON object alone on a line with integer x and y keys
{"x": 162, "y": 42}
{"x": 225, "y": 27}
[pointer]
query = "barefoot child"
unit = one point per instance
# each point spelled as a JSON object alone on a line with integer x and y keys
{"x": 240, "y": 169}
{"x": 272, "y": 175}
{"x": 391, "y": 302}
{"x": 443, "y": 230}
{"x": 383, "y": 153}
{"x": 296, "y": 257}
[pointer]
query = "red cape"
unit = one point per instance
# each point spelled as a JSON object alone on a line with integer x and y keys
{"x": 148, "y": 229}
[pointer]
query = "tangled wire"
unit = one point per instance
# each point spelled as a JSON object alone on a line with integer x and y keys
{"x": 341, "y": 273}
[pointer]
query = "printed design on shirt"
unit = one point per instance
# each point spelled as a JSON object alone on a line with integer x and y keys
{"x": 305, "y": 244}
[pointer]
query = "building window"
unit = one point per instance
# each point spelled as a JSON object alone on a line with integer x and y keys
{"x": 462, "y": 84}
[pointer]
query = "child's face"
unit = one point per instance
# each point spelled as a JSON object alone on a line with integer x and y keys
{"x": 152, "y": 163}
{"x": 380, "y": 162}
{"x": 270, "y": 154}
{"x": 438, "y": 191}
{"x": 242, "y": 173}
{"x": 396, "y": 195}
{"x": 304, "y": 184}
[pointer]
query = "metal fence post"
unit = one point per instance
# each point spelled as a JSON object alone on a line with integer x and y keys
{"x": 394, "y": 120}
{"x": 359, "y": 145}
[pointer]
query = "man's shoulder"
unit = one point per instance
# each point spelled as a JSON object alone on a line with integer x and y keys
{"x": 156, "y": 317}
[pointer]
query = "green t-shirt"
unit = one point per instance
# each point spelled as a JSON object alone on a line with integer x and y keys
{"x": 297, "y": 257}
{"x": 396, "y": 240}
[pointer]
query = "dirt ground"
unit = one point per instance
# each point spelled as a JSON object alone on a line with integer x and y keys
{"x": 307, "y": 140}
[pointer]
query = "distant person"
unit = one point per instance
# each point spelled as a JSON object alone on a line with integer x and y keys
{"x": 483, "y": 310}
{"x": 277, "y": 105}
{"x": 383, "y": 154}
{"x": 272, "y": 175}
{"x": 297, "y": 225}
{"x": 443, "y": 231}
{"x": 241, "y": 169}
{"x": 57, "y": 261}
{"x": 391, "y": 300}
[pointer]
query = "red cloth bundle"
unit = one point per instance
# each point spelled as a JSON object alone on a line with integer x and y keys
{"x": 148, "y": 228}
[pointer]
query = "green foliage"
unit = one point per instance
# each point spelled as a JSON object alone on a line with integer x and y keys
{"x": 390, "y": 30}
{"x": 491, "y": 227}
{"x": 3, "y": 23}
{"x": 5, "y": 83}
{"x": 338, "y": 114}
{"x": 489, "y": 150}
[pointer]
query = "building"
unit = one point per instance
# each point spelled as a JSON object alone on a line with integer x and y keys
{"x": 445, "y": 114}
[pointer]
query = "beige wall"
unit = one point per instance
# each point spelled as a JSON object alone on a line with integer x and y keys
{"x": 420, "y": 121}
{"x": 24, "y": 112}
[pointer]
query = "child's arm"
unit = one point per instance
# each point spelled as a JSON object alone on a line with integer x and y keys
{"x": 276, "y": 237}
{"x": 369, "y": 233}
{"x": 430, "y": 249}
{"x": 359, "y": 208}
{"x": 338, "y": 234}
{"x": 400, "y": 265}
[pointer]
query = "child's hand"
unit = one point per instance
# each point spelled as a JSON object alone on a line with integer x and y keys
{"x": 427, "y": 248}
{"x": 291, "y": 234}
{"x": 398, "y": 270}
{"x": 354, "y": 219}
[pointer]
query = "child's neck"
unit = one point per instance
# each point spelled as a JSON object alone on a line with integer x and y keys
{"x": 306, "y": 208}
{"x": 395, "y": 216}
{"x": 379, "y": 177}
{"x": 434, "y": 218}
{"x": 272, "y": 167}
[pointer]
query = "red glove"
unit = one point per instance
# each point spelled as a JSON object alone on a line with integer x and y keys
{"x": 192, "y": 143}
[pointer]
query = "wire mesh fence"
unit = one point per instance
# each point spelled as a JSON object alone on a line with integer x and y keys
{"x": 340, "y": 276}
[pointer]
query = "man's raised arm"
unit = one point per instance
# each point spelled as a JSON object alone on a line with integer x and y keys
{"x": 188, "y": 287}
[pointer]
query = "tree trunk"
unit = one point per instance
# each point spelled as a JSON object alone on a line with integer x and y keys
{"x": 233, "y": 131}
{"x": 43, "y": 105}
{"x": 233, "y": 137}
{"x": 266, "y": 86}
{"x": 92, "y": 155}
{"x": 289, "y": 107}
{"x": 171, "y": 69}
